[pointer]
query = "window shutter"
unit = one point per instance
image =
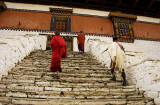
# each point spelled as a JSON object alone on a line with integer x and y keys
{"x": 52, "y": 27}
{"x": 68, "y": 24}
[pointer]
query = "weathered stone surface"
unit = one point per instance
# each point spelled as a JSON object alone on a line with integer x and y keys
{"x": 83, "y": 81}
{"x": 151, "y": 94}
{"x": 157, "y": 101}
{"x": 142, "y": 60}
{"x": 16, "y": 94}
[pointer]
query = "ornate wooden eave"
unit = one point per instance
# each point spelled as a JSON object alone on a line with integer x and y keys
{"x": 122, "y": 25}
{"x": 119, "y": 14}
{"x": 60, "y": 10}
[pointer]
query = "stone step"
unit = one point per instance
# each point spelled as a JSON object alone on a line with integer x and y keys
{"x": 65, "y": 67}
{"x": 64, "y": 80}
{"x": 5, "y": 100}
{"x": 20, "y": 69}
{"x": 94, "y": 87}
{"x": 57, "y": 84}
{"x": 53, "y": 75}
{"x": 83, "y": 81}
{"x": 44, "y": 77}
{"x": 63, "y": 101}
{"x": 68, "y": 63}
{"x": 57, "y": 93}
{"x": 69, "y": 55}
{"x": 59, "y": 87}
{"x": 63, "y": 75}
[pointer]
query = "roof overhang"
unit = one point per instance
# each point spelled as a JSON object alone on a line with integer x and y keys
{"x": 149, "y": 8}
{"x": 2, "y": 6}
{"x": 119, "y": 14}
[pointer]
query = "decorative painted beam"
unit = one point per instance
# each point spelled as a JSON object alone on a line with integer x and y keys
{"x": 119, "y": 14}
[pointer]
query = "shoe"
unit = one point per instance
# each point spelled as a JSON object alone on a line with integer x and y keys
{"x": 58, "y": 77}
{"x": 124, "y": 78}
{"x": 124, "y": 83}
{"x": 113, "y": 78}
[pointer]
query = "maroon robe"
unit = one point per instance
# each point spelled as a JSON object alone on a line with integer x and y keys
{"x": 58, "y": 47}
{"x": 81, "y": 40}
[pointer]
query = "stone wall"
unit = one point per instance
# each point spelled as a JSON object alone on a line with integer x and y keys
{"x": 25, "y": 19}
{"x": 142, "y": 62}
{"x": 15, "y": 45}
{"x": 91, "y": 24}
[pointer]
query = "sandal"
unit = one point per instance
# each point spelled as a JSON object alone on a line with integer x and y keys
{"x": 58, "y": 77}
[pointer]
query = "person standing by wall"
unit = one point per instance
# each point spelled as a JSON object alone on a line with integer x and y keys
{"x": 59, "y": 50}
{"x": 81, "y": 41}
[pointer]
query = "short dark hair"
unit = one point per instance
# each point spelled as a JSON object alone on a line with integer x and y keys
{"x": 81, "y": 31}
{"x": 57, "y": 33}
{"x": 114, "y": 38}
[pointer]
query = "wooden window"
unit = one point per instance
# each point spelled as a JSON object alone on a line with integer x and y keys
{"x": 60, "y": 20}
{"x": 123, "y": 28}
{"x": 60, "y": 25}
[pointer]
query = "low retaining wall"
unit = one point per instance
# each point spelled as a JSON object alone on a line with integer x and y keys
{"x": 142, "y": 62}
{"x": 15, "y": 45}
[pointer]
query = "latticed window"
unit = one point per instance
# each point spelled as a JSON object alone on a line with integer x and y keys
{"x": 122, "y": 25}
{"x": 61, "y": 19}
{"x": 123, "y": 29}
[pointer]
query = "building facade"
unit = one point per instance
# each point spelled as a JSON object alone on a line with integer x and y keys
{"x": 26, "y": 27}
{"x": 65, "y": 19}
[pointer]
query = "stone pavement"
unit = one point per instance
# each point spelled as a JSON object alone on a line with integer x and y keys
{"x": 83, "y": 81}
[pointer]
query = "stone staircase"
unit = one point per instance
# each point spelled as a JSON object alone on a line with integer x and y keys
{"x": 83, "y": 81}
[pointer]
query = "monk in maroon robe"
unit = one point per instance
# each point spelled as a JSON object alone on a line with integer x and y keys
{"x": 80, "y": 41}
{"x": 58, "y": 47}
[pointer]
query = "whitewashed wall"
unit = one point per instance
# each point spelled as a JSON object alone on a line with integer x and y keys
{"x": 15, "y": 45}
{"x": 142, "y": 62}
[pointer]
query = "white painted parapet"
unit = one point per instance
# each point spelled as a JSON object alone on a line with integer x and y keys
{"x": 142, "y": 62}
{"x": 15, "y": 45}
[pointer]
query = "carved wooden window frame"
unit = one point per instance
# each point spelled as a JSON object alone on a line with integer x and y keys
{"x": 123, "y": 29}
{"x": 61, "y": 20}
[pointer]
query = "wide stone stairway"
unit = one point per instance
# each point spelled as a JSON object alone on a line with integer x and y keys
{"x": 83, "y": 81}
